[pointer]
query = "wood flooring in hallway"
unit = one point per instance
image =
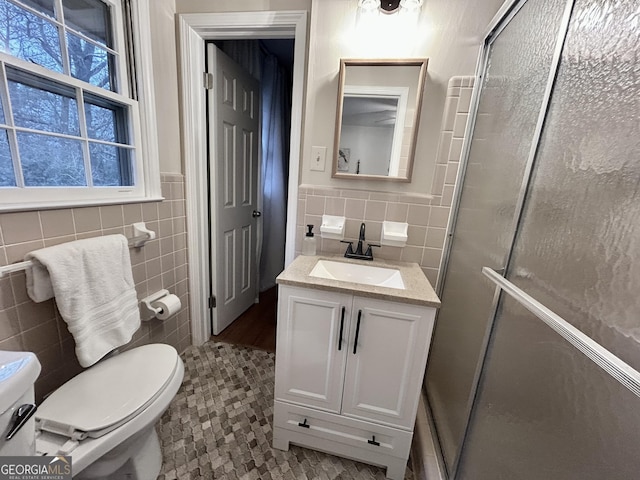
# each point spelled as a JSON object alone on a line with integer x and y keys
{"x": 256, "y": 327}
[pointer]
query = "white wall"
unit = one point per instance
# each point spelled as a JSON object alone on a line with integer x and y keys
{"x": 165, "y": 71}
{"x": 372, "y": 145}
{"x": 448, "y": 32}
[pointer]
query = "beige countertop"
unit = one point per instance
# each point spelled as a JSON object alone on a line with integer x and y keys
{"x": 418, "y": 290}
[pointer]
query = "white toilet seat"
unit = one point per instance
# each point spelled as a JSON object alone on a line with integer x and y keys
{"x": 135, "y": 418}
{"x": 108, "y": 394}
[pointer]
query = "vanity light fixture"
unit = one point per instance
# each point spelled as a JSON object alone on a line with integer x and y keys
{"x": 389, "y": 6}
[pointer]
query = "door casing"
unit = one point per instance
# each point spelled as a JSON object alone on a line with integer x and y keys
{"x": 194, "y": 29}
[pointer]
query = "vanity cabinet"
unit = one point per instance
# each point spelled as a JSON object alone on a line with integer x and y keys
{"x": 349, "y": 372}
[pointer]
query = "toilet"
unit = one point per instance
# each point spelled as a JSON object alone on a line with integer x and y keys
{"x": 105, "y": 416}
{"x": 18, "y": 372}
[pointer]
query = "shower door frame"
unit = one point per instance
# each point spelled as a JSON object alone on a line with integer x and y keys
{"x": 507, "y": 12}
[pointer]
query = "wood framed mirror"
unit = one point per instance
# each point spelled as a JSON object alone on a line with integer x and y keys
{"x": 378, "y": 112}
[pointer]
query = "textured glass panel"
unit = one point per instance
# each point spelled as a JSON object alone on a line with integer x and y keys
{"x": 510, "y": 103}
{"x": 90, "y": 62}
{"x": 49, "y": 161}
{"x": 7, "y": 175}
{"x": 89, "y": 17}
{"x": 29, "y": 37}
{"x": 579, "y": 248}
{"x": 110, "y": 165}
{"x": 42, "y": 109}
{"x": 545, "y": 411}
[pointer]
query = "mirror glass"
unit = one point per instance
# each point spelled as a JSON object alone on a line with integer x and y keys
{"x": 377, "y": 118}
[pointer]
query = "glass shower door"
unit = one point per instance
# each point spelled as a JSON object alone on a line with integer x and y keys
{"x": 511, "y": 98}
{"x": 544, "y": 410}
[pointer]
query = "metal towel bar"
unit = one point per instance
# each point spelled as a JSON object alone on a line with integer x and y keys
{"x": 135, "y": 242}
{"x": 610, "y": 363}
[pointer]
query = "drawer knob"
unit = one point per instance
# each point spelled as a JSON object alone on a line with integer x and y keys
{"x": 373, "y": 441}
{"x": 304, "y": 424}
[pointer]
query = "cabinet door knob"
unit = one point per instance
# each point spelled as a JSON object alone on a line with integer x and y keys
{"x": 355, "y": 341}
{"x": 304, "y": 424}
{"x": 373, "y": 441}
{"x": 341, "y": 328}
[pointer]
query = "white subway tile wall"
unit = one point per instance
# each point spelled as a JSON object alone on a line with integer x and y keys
{"x": 161, "y": 263}
{"x": 427, "y": 215}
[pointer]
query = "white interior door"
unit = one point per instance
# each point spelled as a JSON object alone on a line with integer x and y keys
{"x": 234, "y": 120}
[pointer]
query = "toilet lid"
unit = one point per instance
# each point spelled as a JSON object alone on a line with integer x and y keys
{"x": 106, "y": 395}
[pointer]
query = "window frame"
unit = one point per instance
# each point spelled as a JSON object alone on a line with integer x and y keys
{"x": 140, "y": 113}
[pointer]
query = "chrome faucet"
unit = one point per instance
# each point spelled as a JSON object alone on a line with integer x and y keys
{"x": 368, "y": 255}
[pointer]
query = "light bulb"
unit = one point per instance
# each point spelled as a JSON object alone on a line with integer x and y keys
{"x": 411, "y": 5}
{"x": 368, "y": 5}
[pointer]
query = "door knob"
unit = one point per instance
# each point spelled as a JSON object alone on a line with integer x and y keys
{"x": 256, "y": 213}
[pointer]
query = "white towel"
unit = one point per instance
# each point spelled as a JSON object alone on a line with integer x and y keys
{"x": 93, "y": 286}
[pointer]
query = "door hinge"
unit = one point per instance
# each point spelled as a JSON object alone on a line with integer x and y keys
{"x": 212, "y": 302}
{"x": 208, "y": 80}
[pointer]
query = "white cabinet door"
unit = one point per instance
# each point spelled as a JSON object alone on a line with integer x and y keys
{"x": 309, "y": 356}
{"x": 387, "y": 355}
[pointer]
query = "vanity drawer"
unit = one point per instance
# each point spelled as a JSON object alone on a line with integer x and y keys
{"x": 347, "y": 431}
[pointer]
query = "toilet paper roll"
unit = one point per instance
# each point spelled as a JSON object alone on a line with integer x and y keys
{"x": 168, "y": 305}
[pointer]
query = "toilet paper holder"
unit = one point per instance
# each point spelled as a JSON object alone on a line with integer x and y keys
{"x": 154, "y": 297}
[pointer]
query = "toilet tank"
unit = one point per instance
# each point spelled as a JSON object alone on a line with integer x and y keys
{"x": 18, "y": 372}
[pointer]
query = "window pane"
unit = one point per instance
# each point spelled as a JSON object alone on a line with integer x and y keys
{"x": 29, "y": 37}
{"x": 89, "y": 17}
{"x": 105, "y": 121}
{"x": 7, "y": 175}
{"x": 2, "y": 120}
{"x": 49, "y": 161}
{"x": 110, "y": 166}
{"x": 43, "y": 110}
{"x": 43, "y": 6}
{"x": 90, "y": 62}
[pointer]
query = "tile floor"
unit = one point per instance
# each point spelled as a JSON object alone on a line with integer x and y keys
{"x": 219, "y": 424}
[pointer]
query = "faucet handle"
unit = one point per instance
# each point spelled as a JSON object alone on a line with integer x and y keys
{"x": 349, "y": 247}
{"x": 369, "y": 253}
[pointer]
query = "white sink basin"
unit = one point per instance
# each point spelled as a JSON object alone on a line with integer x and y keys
{"x": 355, "y": 273}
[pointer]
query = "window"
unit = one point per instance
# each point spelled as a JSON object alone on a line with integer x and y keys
{"x": 70, "y": 131}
